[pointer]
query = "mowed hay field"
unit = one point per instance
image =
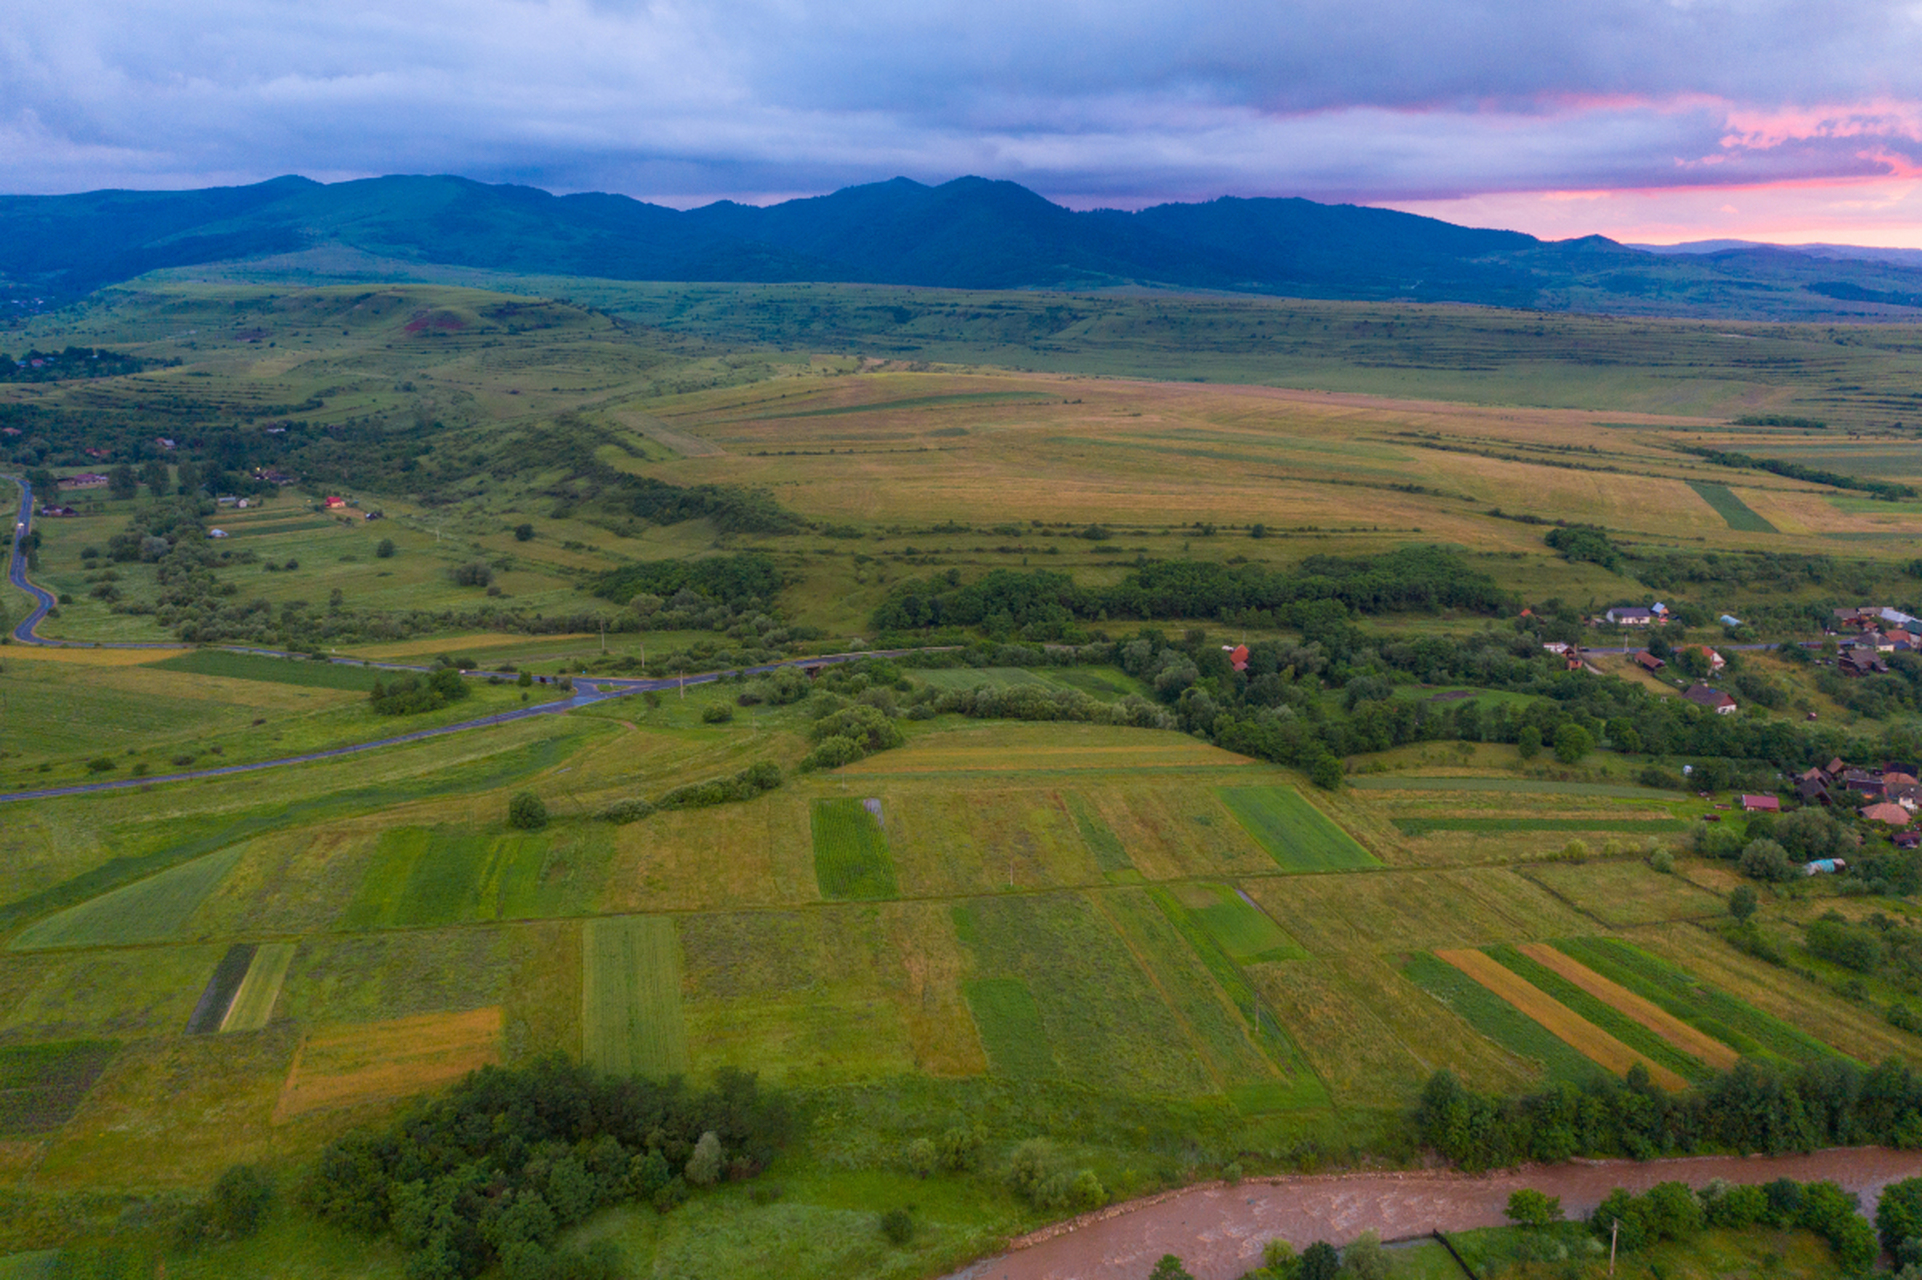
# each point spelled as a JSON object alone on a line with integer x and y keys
{"x": 341, "y": 1066}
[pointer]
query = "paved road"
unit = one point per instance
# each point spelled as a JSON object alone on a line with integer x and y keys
{"x": 586, "y": 692}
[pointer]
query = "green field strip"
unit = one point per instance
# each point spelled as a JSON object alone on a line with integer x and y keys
{"x": 1238, "y": 926}
{"x": 1600, "y": 1013}
{"x": 218, "y": 996}
{"x": 1521, "y": 785}
{"x": 42, "y": 1085}
{"x": 1306, "y": 1088}
{"x": 631, "y": 1018}
{"x": 1499, "y": 1020}
{"x": 1298, "y": 836}
{"x": 1649, "y": 826}
{"x": 1103, "y": 843}
{"x": 450, "y": 875}
{"x": 253, "y": 1004}
{"x": 1736, "y": 1023}
{"x": 851, "y": 860}
{"x": 254, "y": 666}
{"x": 1737, "y": 513}
{"x": 152, "y": 910}
{"x": 1009, "y": 1023}
{"x": 1221, "y": 1031}
{"x": 912, "y": 402}
{"x": 38, "y": 1265}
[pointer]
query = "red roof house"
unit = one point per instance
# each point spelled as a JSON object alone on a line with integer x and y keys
{"x": 1761, "y": 804}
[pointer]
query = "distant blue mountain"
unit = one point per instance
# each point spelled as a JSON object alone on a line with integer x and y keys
{"x": 971, "y": 233}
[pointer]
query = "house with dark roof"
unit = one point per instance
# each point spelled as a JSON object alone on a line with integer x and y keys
{"x": 1710, "y": 699}
{"x": 1630, "y": 616}
{"x": 1860, "y": 661}
{"x": 1648, "y": 661}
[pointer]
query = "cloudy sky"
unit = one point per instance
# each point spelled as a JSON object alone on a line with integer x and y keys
{"x": 1655, "y": 120}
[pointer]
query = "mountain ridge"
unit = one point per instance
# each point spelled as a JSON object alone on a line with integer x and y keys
{"x": 967, "y": 233}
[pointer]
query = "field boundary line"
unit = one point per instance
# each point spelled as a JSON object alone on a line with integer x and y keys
{"x": 1577, "y": 1032}
{"x": 1690, "y": 1040}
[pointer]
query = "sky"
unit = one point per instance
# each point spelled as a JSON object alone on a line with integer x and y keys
{"x": 1645, "y": 120}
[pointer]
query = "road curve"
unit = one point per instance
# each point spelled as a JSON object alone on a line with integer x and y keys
{"x": 587, "y": 692}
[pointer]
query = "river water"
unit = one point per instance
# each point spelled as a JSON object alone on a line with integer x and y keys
{"x": 1219, "y": 1230}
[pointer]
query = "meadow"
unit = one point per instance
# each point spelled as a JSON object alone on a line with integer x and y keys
{"x": 1168, "y": 959}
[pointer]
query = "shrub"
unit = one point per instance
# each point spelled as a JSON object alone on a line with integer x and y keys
{"x": 526, "y": 812}
{"x": 921, "y": 1158}
{"x": 1663, "y": 861}
{"x": 959, "y": 1149}
{"x": 100, "y": 764}
{"x": 1766, "y": 860}
{"x": 1742, "y": 903}
{"x": 1736, "y": 1207}
{"x": 1853, "y": 946}
{"x": 1531, "y": 1208}
{"x": 1169, "y": 1267}
{"x": 413, "y": 694}
{"x": 719, "y": 713}
{"x": 1319, "y": 1261}
{"x": 1898, "y": 1215}
{"x": 1528, "y": 743}
{"x": 523, "y": 533}
{"x": 622, "y": 812}
{"x": 898, "y": 1226}
{"x": 472, "y": 574}
{"x": 704, "y": 1166}
{"x": 1365, "y": 1259}
{"x": 1572, "y": 742}
{"x": 384, "y": 549}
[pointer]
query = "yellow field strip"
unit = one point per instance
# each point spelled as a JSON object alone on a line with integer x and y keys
{"x": 339, "y": 1066}
{"x": 1688, "y": 1039}
{"x": 1557, "y": 1018}
{"x": 91, "y": 657}
{"x": 253, "y": 1004}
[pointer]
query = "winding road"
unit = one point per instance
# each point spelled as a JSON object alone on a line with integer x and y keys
{"x": 586, "y": 692}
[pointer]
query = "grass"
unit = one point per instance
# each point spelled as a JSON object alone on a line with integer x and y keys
{"x": 1623, "y": 893}
{"x": 1499, "y": 1020}
{"x": 446, "y": 875}
{"x": 1740, "y": 1026}
{"x": 1608, "y": 1016}
{"x": 850, "y": 852}
{"x": 1740, "y": 516}
{"x": 42, "y": 1085}
{"x": 253, "y": 1004}
{"x": 631, "y": 1019}
{"x": 341, "y": 1066}
{"x": 1009, "y": 1022}
{"x": 1558, "y": 1019}
{"x": 1109, "y": 853}
{"x": 1236, "y": 924}
{"x": 152, "y": 910}
{"x": 217, "y": 1000}
{"x": 1521, "y": 786}
{"x": 1298, "y": 835}
{"x": 253, "y": 666}
{"x": 1637, "y": 826}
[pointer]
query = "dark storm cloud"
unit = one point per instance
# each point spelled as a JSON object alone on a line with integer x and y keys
{"x": 1116, "y": 102}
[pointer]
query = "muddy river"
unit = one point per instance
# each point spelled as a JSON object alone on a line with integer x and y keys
{"x": 1219, "y": 1230}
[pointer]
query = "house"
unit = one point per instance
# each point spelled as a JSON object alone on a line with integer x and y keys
{"x": 1761, "y": 804}
{"x": 1835, "y": 766}
{"x": 1715, "y": 660}
{"x": 1861, "y": 618}
{"x": 1865, "y": 782}
{"x": 1893, "y": 815}
{"x": 1906, "y": 794}
{"x": 216, "y": 533}
{"x": 1237, "y": 655}
{"x": 1906, "y": 839}
{"x": 1859, "y": 662}
{"x": 1632, "y": 616}
{"x": 1812, "y": 791}
{"x": 58, "y": 511}
{"x": 89, "y": 480}
{"x": 1897, "y": 617}
{"x": 1710, "y": 699}
{"x": 95, "y": 453}
{"x": 335, "y": 504}
{"x": 163, "y": 442}
{"x": 1648, "y": 661}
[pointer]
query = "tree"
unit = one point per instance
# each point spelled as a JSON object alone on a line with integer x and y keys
{"x": 153, "y": 474}
{"x": 527, "y": 812}
{"x": 1572, "y": 742}
{"x": 1531, "y": 1208}
{"x": 1766, "y": 860}
{"x": 187, "y": 477}
{"x": 1365, "y": 1259}
{"x": 475, "y": 574}
{"x": 1319, "y": 1261}
{"x": 704, "y": 1166}
{"x": 1528, "y": 743}
{"x": 523, "y": 533}
{"x": 1325, "y": 772}
{"x": 1169, "y": 1268}
{"x": 1898, "y": 1216}
{"x": 384, "y": 549}
{"x": 121, "y": 482}
{"x": 1742, "y": 903}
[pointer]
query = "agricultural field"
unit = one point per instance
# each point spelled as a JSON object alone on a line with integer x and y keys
{"x": 1165, "y": 957}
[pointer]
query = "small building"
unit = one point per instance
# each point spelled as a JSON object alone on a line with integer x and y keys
{"x": 1893, "y": 815}
{"x": 88, "y": 480}
{"x": 1715, "y": 660}
{"x": 50, "y": 510}
{"x": 1898, "y": 618}
{"x": 1648, "y": 661}
{"x": 1864, "y": 782}
{"x": 1729, "y": 620}
{"x": 1237, "y": 654}
{"x": 1858, "y": 662}
{"x": 1906, "y": 839}
{"x": 1710, "y": 699}
{"x": 1813, "y": 791}
{"x": 1632, "y": 616}
{"x": 332, "y": 503}
{"x": 163, "y": 442}
{"x": 1761, "y": 804}
{"x": 216, "y": 533}
{"x": 1825, "y": 867}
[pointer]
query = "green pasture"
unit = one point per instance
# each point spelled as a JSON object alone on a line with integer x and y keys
{"x": 1009, "y": 1023}
{"x": 448, "y": 874}
{"x": 42, "y": 1085}
{"x": 851, "y": 857}
{"x": 1736, "y": 1023}
{"x": 1415, "y": 826}
{"x": 155, "y": 909}
{"x": 254, "y": 666}
{"x": 1103, "y": 683}
{"x": 1102, "y": 842}
{"x": 1740, "y": 516}
{"x": 1522, "y": 786}
{"x": 1600, "y": 1013}
{"x": 1241, "y": 928}
{"x": 1295, "y": 833}
{"x": 631, "y": 1018}
{"x": 253, "y": 1003}
{"x": 1500, "y": 1021}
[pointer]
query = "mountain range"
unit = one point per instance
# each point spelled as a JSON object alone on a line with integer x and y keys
{"x": 970, "y": 233}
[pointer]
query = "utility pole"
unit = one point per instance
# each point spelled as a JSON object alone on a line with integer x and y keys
{"x": 1614, "y": 1230}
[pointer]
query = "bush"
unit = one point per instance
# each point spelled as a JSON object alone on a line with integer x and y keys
{"x": 1365, "y": 1259}
{"x": 1766, "y": 860}
{"x": 1898, "y": 1215}
{"x": 1663, "y": 861}
{"x": 921, "y": 1158}
{"x": 719, "y": 713}
{"x": 622, "y": 812}
{"x": 1531, "y": 1208}
{"x": 704, "y": 1166}
{"x": 100, "y": 764}
{"x": 1170, "y": 1267}
{"x": 414, "y": 694}
{"x": 1528, "y": 743}
{"x": 1852, "y": 946}
{"x": 384, "y": 549}
{"x": 523, "y": 533}
{"x": 1572, "y": 742}
{"x": 526, "y": 812}
{"x": 898, "y": 1226}
{"x": 472, "y": 574}
{"x": 959, "y": 1149}
{"x": 1319, "y": 1261}
{"x": 1742, "y": 903}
